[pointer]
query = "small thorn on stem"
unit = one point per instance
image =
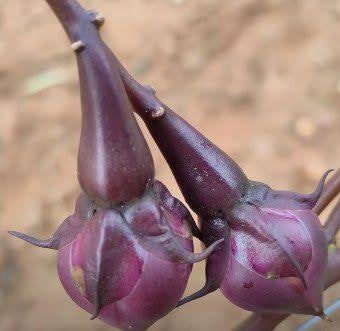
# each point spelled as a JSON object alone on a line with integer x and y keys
{"x": 150, "y": 88}
{"x": 97, "y": 18}
{"x": 158, "y": 112}
{"x": 77, "y": 46}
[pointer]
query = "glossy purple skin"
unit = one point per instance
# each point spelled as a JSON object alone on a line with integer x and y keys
{"x": 127, "y": 219}
{"x": 133, "y": 285}
{"x": 136, "y": 309}
{"x": 127, "y": 266}
{"x": 126, "y": 253}
{"x": 112, "y": 152}
{"x": 219, "y": 192}
{"x": 261, "y": 277}
{"x": 197, "y": 164}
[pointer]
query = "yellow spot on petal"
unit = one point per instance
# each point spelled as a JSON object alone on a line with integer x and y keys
{"x": 271, "y": 275}
{"x": 77, "y": 275}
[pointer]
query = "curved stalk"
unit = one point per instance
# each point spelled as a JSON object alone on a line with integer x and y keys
{"x": 330, "y": 191}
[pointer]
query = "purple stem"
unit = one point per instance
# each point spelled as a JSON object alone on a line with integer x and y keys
{"x": 210, "y": 180}
{"x": 197, "y": 164}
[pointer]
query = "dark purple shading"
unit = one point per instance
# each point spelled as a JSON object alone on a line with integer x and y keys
{"x": 114, "y": 162}
{"x": 178, "y": 209}
{"x": 262, "y": 195}
{"x": 110, "y": 252}
{"x": 217, "y": 262}
{"x": 162, "y": 231}
{"x": 211, "y": 182}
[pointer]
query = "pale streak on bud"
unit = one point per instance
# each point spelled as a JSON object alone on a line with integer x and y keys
{"x": 78, "y": 278}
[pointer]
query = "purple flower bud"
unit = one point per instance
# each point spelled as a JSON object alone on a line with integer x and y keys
{"x": 129, "y": 266}
{"x": 277, "y": 261}
{"x": 126, "y": 253}
{"x": 274, "y": 255}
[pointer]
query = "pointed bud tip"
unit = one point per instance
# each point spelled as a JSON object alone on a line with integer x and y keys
{"x": 312, "y": 199}
{"x": 321, "y": 184}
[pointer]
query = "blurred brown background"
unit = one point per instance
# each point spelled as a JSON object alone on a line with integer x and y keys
{"x": 258, "y": 77}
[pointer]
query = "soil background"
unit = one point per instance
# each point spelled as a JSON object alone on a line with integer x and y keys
{"x": 259, "y": 78}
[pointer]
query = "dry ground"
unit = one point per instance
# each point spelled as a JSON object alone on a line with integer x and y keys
{"x": 258, "y": 77}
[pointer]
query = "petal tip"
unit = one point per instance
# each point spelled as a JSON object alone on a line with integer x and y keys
{"x": 44, "y": 243}
{"x": 317, "y": 193}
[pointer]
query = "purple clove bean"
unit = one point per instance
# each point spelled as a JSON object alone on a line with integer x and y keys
{"x": 126, "y": 253}
{"x": 274, "y": 254}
